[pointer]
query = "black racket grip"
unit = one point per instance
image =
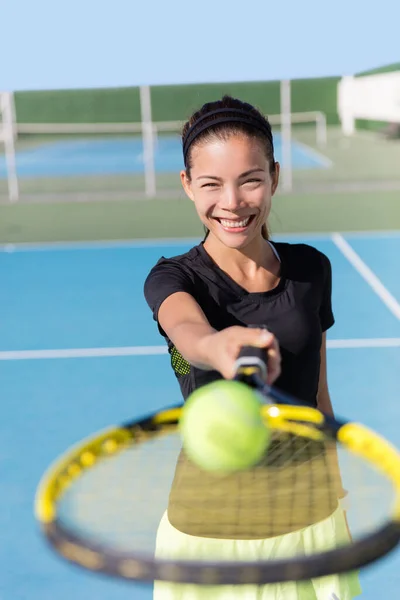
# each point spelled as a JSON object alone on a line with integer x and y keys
{"x": 252, "y": 360}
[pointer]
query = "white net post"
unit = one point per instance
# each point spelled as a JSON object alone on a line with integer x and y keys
{"x": 286, "y": 136}
{"x": 7, "y": 136}
{"x": 321, "y": 126}
{"x": 345, "y": 104}
{"x": 148, "y": 141}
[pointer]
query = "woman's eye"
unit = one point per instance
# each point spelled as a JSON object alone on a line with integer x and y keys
{"x": 253, "y": 181}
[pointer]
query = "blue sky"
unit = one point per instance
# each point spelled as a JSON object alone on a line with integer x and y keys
{"x": 86, "y": 43}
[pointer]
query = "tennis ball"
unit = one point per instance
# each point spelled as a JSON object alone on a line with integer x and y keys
{"x": 222, "y": 428}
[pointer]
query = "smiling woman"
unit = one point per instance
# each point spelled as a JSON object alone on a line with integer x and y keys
{"x": 240, "y": 199}
{"x": 204, "y": 302}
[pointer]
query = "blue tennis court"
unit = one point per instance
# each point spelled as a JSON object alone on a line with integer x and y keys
{"x": 79, "y": 350}
{"x": 124, "y": 156}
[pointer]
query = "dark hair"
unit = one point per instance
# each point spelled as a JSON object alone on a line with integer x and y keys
{"x": 221, "y": 119}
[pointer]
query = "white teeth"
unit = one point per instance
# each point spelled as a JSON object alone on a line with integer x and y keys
{"x": 234, "y": 224}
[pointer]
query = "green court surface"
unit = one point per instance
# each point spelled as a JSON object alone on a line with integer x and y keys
{"x": 176, "y": 218}
{"x": 353, "y": 184}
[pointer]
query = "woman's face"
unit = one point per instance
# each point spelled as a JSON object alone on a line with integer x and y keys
{"x": 231, "y": 186}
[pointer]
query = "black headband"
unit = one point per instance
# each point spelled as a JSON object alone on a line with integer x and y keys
{"x": 232, "y": 115}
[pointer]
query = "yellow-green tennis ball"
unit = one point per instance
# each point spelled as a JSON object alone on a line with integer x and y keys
{"x": 222, "y": 428}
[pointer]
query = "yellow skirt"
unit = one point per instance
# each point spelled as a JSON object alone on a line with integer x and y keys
{"x": 173, "y": 544}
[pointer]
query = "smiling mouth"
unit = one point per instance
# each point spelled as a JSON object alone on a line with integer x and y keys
{"x": 235, "y": 225}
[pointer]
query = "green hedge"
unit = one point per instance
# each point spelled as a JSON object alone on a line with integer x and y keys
{"x": 169, "y": 103}
{"x": 385, "y": 69}
{"x": 175, "y": 102}
{"x": 114, "y": 105}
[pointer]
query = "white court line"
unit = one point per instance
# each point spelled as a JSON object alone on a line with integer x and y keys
{"x": 82, "y": 352}
{"x": 97, "y": 244}
{"x": 373, "y": 281}
{"x": 159, "y": 350}
{"x": 323, "y": 160}
{"x": 155, "y": 242}
{"x": 364, "y": 343}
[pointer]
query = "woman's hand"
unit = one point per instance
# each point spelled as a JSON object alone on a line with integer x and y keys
{"x": 223, "y": 347}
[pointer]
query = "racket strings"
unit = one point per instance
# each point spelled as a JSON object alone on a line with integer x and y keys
{"x": 292, "y": 487}
{"x": 121, "y": 500}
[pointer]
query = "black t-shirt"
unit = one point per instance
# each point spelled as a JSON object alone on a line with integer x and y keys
{"x": 297, "y": 311}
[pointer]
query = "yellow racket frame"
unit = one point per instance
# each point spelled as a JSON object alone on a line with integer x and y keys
{"x": 299, "y": 420}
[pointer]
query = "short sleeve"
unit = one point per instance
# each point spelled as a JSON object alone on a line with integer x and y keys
{"x": 325, "y": 312}
{"x": 166, "y": 278}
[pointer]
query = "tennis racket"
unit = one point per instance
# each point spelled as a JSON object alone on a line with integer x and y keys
{"x": 100, "y": 504}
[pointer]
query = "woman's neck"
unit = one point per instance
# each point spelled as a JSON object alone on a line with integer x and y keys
{"x": 245, "y": 262}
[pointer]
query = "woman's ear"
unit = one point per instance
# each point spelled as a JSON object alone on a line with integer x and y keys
{"x": 187, "y": 185}
{"x": 275, "y": 177}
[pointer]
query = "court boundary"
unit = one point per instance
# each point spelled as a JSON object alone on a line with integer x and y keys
{"x": 367, "y": 274}
{"x": 323, "y": 161}
{"x": 337, "y": 239}
{"x": 123, "y": 351}
{"x": 157, "y": 242}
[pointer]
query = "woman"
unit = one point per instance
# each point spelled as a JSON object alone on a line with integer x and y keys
{"x": 203, "y": 302}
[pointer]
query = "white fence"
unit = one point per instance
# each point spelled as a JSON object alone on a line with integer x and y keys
{"x": 373, "y": 97}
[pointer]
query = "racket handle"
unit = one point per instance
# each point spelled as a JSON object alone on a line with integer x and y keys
{"x": 252, "y": 360}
